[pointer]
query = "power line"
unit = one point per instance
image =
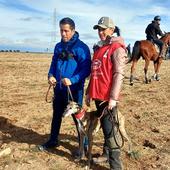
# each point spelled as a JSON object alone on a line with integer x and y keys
{"x": 54, "y": 30}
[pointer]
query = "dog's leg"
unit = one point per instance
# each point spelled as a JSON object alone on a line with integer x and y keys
{"x": 90, "y": 137}
{"x": 123, "y": 131}
{"x": 96, "y": 125}
{"x": 81, "y": 146}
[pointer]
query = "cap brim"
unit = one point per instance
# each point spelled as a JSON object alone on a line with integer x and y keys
{"x": 99, "y": 26}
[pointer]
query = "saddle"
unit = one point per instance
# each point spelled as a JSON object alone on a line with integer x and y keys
{"x": 157, "y": 48}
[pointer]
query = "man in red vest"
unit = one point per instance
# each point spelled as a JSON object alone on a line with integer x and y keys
{"x": 105, "y": 85}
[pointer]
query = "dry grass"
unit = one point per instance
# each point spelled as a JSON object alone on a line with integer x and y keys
{"x": 25, "y": 118}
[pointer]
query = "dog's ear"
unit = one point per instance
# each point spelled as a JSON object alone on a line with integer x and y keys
{"x": 88, "y": 109}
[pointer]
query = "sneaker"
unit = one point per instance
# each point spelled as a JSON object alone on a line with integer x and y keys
{"x": 48, "y": 145}
{"x": 100, "y": 159}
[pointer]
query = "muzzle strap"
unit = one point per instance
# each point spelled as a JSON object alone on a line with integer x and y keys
{"x": 80, "y": 114}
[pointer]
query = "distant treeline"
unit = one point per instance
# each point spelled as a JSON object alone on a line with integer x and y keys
{"x": 16, "y": 51}
{"x": 19, "y": 51}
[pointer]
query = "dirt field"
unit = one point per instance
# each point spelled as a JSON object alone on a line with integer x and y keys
{"x": 25, "y": 118}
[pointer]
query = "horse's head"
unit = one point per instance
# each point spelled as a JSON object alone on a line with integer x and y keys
{"x": 71, "y": 108}
{"x": 166, "y": 38}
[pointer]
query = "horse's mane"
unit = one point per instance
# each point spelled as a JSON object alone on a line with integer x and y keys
{"x": 165, "y": 34}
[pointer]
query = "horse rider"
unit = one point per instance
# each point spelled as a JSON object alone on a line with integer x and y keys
{"x": 152, "y": 31}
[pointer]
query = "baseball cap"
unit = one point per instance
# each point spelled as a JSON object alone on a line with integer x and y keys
{"x": 104, "y": 22}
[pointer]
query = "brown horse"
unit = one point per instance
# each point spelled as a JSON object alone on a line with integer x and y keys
{"x": 147, "y": 50}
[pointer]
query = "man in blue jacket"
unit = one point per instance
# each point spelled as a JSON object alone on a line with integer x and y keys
{"x": 70, "y": 66}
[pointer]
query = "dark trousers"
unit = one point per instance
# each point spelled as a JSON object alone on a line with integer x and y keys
{"x": 60, "y": 102}
{"x": 158, "y": 42}
{"x": 107, "y": 127}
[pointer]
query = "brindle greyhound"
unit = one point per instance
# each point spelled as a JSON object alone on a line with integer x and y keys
{"x": 89, "y": 123}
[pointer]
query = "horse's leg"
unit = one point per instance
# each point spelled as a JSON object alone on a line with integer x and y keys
{"x": 159, "y": 62}
{"x": 134, "y": 62}
{"x": 155, "y": 69}
{"x": 146, "y": 70}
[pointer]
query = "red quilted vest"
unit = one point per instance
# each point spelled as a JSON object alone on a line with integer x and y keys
{"x": 102, "y": 72}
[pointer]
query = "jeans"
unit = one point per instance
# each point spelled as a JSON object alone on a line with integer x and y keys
{"x": 60, "y": 102}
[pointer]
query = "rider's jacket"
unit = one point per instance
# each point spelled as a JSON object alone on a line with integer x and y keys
{"x": 152, "y": 30}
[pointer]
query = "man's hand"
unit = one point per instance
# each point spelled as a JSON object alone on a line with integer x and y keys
{"x": 87, "y": 100}
{"x": 52, "y": 81}
{"x": 66, "y": 82}
{"x": 112, "y": 104}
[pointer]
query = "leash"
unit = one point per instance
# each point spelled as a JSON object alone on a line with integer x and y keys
{"x": 69, "y": 94}
{"x": 103, "y": 112}
{"x": 78, "y": 116}
{"x": 47, "y": 94}
{"x": 115, "y": 122}
{"x": 48, "y": 91}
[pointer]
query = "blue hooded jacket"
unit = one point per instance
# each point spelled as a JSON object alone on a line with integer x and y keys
{"x": 71, "y": 60}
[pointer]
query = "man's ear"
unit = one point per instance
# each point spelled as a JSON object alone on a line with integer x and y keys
{"x": 73, "y": 30}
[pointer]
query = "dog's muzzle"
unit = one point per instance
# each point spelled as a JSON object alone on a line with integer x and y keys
{"x": 79, "y": 115}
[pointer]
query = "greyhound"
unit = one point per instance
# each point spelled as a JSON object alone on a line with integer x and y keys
{"x": 89, "y": 123}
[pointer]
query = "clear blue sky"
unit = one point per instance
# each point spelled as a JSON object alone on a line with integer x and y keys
{"x": 29, "y": 25}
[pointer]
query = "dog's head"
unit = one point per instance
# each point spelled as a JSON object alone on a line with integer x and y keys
{"x": 71, "y": 108}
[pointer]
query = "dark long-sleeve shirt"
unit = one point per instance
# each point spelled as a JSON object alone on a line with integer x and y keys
{"x": 153, "y": 30}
